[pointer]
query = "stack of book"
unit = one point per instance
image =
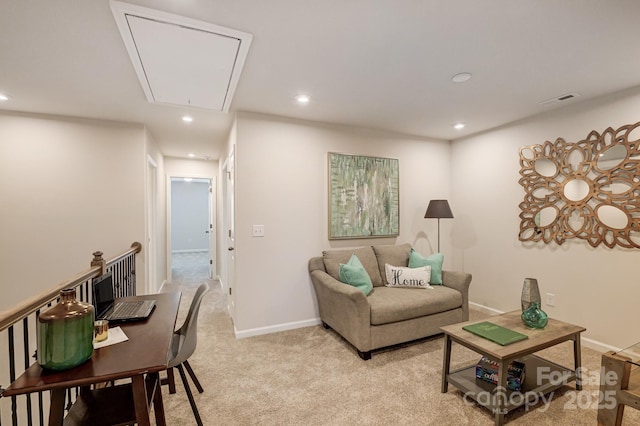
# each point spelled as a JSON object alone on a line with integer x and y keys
{"x": 487, "y": 370}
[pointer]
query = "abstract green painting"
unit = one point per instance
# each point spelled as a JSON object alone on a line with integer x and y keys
{"x": 363, "y": 196}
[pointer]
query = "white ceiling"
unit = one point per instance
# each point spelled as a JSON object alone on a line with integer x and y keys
{"x": 370, "y": 63}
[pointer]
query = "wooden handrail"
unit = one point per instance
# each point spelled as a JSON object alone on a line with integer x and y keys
{"x": 24, "y": 309}
{"x": 136, "y": 248}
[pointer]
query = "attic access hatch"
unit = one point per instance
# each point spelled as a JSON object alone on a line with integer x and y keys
{"x": 182, "y": 61}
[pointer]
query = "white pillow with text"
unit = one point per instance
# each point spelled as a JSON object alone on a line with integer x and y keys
{"x": 398, "y": 276}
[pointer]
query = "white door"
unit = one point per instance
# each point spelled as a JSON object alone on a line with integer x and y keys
{"x": 229, "y": 229}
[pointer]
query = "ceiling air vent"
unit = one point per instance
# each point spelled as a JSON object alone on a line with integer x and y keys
{"x": 562, "y": 98}
{"x": 182, "y": 61}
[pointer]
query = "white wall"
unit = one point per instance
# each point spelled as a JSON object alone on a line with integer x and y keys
{"x": 185, "y": 167}
{"x": 597, "y": 288}
{"x": 281, "y": 183}
{"x": 68, "y": 187}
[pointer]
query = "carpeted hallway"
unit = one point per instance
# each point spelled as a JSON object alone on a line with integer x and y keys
{"x": 310, "y": 376}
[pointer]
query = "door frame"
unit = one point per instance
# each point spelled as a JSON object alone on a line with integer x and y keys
{"x": 228, "y": 225}
{"x": 212, "y": 218}
{"x": 151, "y": 286}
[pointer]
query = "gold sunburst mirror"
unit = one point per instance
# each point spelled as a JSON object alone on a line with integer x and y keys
{"x": 588, "y": 189}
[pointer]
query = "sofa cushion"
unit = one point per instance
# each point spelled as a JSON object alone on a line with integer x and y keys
{"x": 400, "y": 276}
{"x": 435, "y": 261}
{"x": 396, "y": 255}
{"x": 353, "y": 273}
{"x": 333, "y": 259}
{"x": 390, "y": 304}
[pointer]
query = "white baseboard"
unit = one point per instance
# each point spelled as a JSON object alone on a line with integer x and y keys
{"x": 587, "y": 343}
{"x": 485, "y": 309}
{"x": 598, "y": 346}
{"x": 241, "y": 334}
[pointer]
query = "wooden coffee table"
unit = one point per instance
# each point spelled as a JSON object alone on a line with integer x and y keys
{"x": 541, "y": 376}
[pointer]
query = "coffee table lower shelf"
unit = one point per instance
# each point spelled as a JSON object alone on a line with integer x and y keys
{"x": 541, "y": 377}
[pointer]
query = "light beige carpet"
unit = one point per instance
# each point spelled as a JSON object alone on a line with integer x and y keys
{"x": 311, "y": 376}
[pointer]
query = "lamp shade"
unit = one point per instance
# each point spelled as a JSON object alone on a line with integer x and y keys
{"x": 439, "y": 209}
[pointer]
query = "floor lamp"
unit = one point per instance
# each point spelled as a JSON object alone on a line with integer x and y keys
{"x": 438, "y": 209}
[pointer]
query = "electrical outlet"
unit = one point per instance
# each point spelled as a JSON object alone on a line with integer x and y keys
{"x": 551, "y": 299}
{"x": 258, "y": 231}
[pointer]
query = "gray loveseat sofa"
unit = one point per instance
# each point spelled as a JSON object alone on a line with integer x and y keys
{"x": 388, "y": 315}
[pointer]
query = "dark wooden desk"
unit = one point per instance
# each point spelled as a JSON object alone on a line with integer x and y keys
{"x": 140, "y": 359}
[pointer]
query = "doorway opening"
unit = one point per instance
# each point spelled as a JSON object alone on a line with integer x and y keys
{"x": 191, "y": 230}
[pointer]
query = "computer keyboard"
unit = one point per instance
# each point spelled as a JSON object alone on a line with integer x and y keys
{"x": 126, "y": 309}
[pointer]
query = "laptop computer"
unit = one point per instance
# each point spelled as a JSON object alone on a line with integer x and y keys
{"x": 107, "y": 308}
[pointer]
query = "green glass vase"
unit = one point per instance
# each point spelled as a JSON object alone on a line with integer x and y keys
{"x": 65, "y": 333}
{"x": 535, "y": 317}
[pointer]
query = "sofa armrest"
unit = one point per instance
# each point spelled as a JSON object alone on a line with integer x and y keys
{"x": 459, "y": 281}
{"x": 344, "y": 308}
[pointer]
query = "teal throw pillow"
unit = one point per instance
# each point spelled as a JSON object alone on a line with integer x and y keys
{"x": 353, "y": 273}
{"x": 416, "y": 260}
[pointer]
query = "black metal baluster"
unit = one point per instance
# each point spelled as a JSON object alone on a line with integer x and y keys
{"x": 12, "y": 376}
{"x": 132, "y": 272}
{"x": 69, "y": 403}
{"x": 25, "y": 343}
{"x": 40, "y": 409}
{"x": 116, "y": 278}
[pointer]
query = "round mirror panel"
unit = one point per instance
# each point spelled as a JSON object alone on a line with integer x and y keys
{"x": 526, "y": 234}
{"x": 541, "y": 193}
{"x": 546, "y": 216}
{"x": 611, "y": 157}
{"x": 576, "y": 189}
{"x": 618, "y": 187}
{"x": 634, "y": 135}
{"x": 527, "y": 153}
{"x": 634, "y": 237}
{"x": 545, "y": 167}
{"x": 608, "y": 138}
{"x": 576, "y": 221}
{"x": 612, "y": 217}
{"x": 575, "y": 158}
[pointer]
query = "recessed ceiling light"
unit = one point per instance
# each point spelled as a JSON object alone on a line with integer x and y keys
{"x": 187, "y": 119}
{"x": 303, "y": 99}
{"x": 191, "y": 154}
{"x": 4, "y": 97}
{"x": 458, "y": 126}
{"x": 461, "y": 77}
